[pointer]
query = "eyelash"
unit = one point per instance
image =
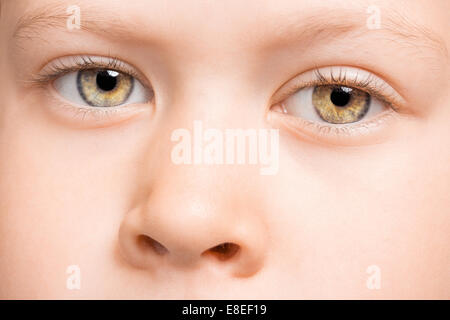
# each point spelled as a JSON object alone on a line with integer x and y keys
{"x": 59, "y": 68}
{"x": 367, "y": 84}
{"x": 375, "y": 87}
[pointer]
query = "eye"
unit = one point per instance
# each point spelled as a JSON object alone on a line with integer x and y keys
{"x": 101, "y": 88}
{"x": 332, "y": 104}
{"x": 337, "y": 105}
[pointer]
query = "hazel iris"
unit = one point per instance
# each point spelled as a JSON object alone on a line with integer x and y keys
{"x": 340, "y": 104}
{"x": 104, "y": 88}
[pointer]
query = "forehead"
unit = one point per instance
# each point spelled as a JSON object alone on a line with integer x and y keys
{"x": 258, "y": 18}
{"x": 210, "y": 29}
{"x": 254, "y": 24}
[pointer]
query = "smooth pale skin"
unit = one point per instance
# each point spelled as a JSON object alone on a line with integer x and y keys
{"x": 77, "y": 195}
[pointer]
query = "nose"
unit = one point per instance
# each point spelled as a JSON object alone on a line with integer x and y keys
{"x": 180, "y": 230}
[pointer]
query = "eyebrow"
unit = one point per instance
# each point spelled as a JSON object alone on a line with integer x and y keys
{"x": 395, "y": 27}
{"x": 413, "y": 34}
{"x": 314, "y": 27}
{"x": 32, "y": 23}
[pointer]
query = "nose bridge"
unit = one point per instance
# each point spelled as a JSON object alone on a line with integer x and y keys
{"x": 215, "y": 88}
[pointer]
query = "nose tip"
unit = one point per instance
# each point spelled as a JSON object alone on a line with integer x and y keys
{"x": 236, "y": 248}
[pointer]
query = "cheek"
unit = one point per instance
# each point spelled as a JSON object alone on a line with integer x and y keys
{"x": 407, "y": 229}
{"x": 345, "y": 211}
{"x": 62, "y": 194}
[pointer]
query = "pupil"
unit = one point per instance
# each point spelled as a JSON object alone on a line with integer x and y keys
{"x": 341, "y": 96}
{"x": 107, "y": 80}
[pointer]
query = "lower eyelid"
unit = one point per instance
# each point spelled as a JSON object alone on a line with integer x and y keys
{"x": 84, "y": 117}
{"x": 63, "y": 65}
{"x": 372, "y": 131}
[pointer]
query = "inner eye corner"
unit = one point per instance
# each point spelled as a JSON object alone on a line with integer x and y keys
{"x": 278, "y": 107}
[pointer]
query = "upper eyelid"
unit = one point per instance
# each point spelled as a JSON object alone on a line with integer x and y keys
{"x": 60, "y": 67}
{"x": 64, "y": 65}
{"x": 373, "y": 84}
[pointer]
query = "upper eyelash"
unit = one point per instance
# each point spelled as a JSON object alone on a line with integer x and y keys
{"x": 367, "y": 84}
{"x": 59, "y": 68}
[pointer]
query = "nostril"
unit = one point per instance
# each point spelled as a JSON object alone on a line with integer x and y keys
{"x": 145, "y": 242}
{"x": 223, "y": 251}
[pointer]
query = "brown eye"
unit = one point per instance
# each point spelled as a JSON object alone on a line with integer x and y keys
{"x": 339, "y": 104}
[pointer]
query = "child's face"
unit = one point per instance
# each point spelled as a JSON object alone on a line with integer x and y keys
{"x": 94, "y": 173}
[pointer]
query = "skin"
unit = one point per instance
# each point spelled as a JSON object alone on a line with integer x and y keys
{"x": 80, "y": 192}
